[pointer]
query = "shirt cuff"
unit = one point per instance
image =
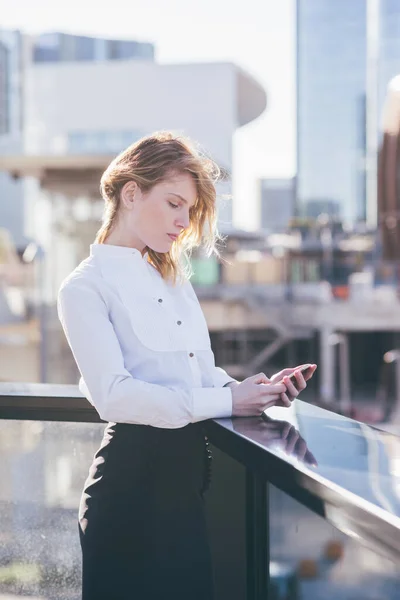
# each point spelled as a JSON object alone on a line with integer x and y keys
{"x": 211, "y": 403}
{"x": 221, "y": 377}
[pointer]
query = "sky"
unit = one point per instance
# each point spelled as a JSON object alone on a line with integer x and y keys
{"x": 257, "y": 35}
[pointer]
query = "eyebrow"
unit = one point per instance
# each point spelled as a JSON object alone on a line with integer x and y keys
{"x": 180, "y": 197}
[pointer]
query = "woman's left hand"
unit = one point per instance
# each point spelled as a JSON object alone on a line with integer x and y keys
{"x": 292, "y": 391}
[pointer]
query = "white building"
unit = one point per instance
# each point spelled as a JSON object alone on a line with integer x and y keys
{"x": 81, "y": 104}
{"x": 19, "y": 53}
{"x": 78, "y": 115}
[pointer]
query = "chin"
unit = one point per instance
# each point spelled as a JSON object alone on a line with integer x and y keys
{"x": 161, "y": 249}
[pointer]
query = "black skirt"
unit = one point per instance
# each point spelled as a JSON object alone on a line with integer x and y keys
{"x": 141, "y": 518}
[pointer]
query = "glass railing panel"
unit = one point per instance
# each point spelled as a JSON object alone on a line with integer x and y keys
{"x": 43, "y": 467}
{"x": 312, "y": 560}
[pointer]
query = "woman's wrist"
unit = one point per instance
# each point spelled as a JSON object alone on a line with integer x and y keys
{"x": 232, "y": 384}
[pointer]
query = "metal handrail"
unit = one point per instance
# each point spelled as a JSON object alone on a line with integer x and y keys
{"x": 350, "y": 512}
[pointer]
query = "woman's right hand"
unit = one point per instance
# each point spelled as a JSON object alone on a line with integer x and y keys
{"x": 253, "y": 395}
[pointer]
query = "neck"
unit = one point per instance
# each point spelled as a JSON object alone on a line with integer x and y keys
{"x": 116, "y": 239}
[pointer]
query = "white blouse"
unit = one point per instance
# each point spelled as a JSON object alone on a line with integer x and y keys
{"x": 141, "y": 344}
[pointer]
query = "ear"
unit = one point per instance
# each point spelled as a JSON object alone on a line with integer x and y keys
{"x": 128, "y": 194}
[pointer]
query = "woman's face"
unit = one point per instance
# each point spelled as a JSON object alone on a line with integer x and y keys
{"x": 152, "y": 219}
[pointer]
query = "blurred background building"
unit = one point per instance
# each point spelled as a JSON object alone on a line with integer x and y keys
{"x": 11, "y": 139}
{"x": 276, "y": 199}
{"x": 332, "y": 94}
{"x": 19, "y": 55}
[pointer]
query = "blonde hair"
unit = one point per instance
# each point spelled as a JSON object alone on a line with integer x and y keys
{"x": 150, "y": 161}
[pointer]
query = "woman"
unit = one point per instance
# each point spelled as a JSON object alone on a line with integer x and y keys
{"x": 142, "y": 346}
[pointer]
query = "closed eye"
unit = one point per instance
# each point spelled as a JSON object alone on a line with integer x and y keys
{"x": 173, "y": 205}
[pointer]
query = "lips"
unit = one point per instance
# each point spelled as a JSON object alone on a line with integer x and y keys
{"x": 172, "y": 236}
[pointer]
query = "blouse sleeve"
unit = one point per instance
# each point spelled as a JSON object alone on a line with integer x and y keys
{"x": 117, "y": 396}
{"x": 221, "y": 377}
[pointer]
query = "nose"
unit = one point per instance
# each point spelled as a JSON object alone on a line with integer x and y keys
{"x": 182, "y": 222}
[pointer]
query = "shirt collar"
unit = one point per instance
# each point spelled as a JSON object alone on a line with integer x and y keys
{"x": 108, "y": 250}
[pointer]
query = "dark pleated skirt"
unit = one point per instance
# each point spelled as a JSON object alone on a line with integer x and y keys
{"x": 141, "y": 518}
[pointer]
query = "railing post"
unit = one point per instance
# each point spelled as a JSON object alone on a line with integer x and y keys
{"x": 257, "y": 537}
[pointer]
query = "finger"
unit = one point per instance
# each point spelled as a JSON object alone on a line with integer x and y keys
{"x": 281, "y": 374}
{"x": 291, "y": 388}
{"x": 272, "y": 389}
{"x": 289, "y": 371}
{"x": 259, "y": 378}
{"x": 282, "y": 403}
{"x": 301, "y": 382}
{"x": 285, "y": 400}
{"x": 307, "y": 370}
{"x": 272, "y": 401}
{"x": 310, "y": 372}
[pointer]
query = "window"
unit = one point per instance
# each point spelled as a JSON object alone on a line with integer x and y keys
{"x": 4, "y": 90}
{"x": 100, "y": 142}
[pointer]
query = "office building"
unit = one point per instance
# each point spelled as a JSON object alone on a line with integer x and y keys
{"x": 331, "y": 86}
{"x": 333, "y": 101}
{"x": 119, "y": 101}
{"x": 11, "y": 192}
{"x": 63, "y": 47}
{"x": 276, "y": 203}
{"x": 389, "y": 45}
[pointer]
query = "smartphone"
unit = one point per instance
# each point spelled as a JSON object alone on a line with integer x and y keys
{"x": 303, "y": 369}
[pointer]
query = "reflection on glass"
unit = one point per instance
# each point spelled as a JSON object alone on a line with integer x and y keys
{"x": 277, "y": 435}
{"x": 312, "y": 560}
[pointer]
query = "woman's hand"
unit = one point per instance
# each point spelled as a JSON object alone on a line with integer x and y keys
{"x": 292, "y": 391}
{"x": 253, "y": 395}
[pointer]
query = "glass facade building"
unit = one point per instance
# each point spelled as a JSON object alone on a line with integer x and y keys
{"x": 276, "y": 197}
{"x": 10, "y": 89}
{"x": 11, "y": 123}
{"x": 389, "y": 44}
{"x": 331, "y": 100}
{"x": 4, "y": 87}
{"x": 101, "y": 142}
{"x": 331, "y": 84}
{"x": 61, "y": 47}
